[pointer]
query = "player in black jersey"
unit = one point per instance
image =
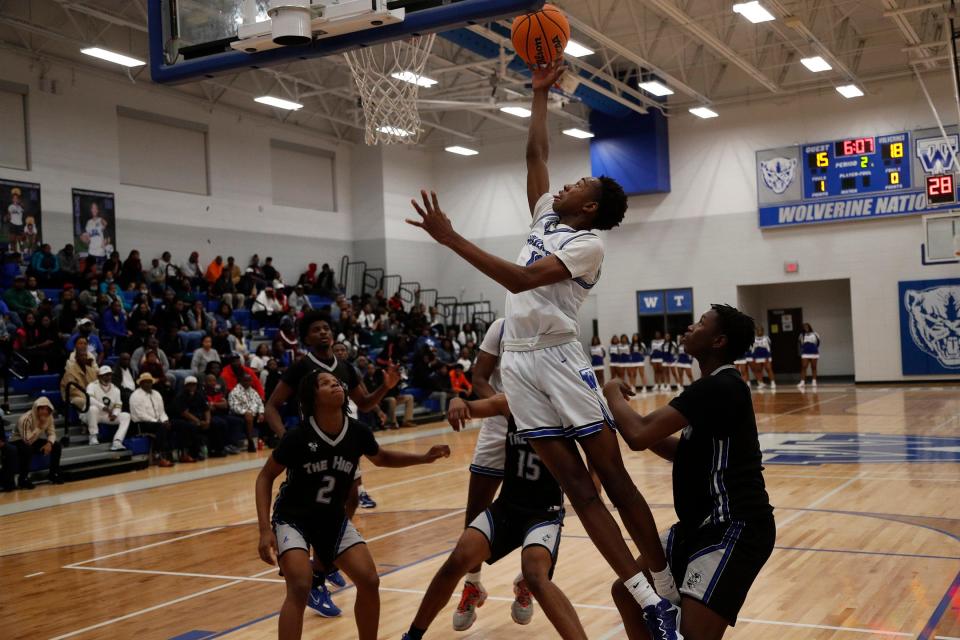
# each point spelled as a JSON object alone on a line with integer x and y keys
{"x": 527, "y": 513}
{"x": 317, "y": 336}
{"x": 320, "y": 458}
{"x": 726, "y": 530}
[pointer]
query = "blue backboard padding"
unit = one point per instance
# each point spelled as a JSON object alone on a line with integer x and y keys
{"x": 426, "y": 21}
{"x": 634, "y": 150}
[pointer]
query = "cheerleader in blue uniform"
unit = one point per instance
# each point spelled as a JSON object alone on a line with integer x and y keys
{"x": 597, "y": 355}
{"x": 638, "y": 361}
{"x": 615, "y": 357}
{"x": 743, "y": 364}
{"x": 762, "y": 360}
{"x": 656, "y": 361}
{"x": 684, "y": 368}
{"x": 809, "y": 354}
{"x": 669, "y": 360}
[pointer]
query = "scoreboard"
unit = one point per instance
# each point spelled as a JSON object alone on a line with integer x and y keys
{"x": 859, "y": 177}
{"x": 856, "y": 165}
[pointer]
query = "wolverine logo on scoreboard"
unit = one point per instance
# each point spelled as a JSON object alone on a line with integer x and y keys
{"x": 937, "y": 155}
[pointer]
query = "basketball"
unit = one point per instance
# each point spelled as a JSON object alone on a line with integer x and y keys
{"x": 540, "y": 37}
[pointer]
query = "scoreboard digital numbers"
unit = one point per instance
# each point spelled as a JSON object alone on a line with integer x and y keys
{"x": 856, "y": 166}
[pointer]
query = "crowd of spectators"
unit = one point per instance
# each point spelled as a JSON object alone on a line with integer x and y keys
{"x": 174, "y": 342}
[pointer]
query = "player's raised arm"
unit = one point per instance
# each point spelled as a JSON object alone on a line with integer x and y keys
{"x": 538, "y": 141}
{"x": 642, "y": 432}
{"x": 461, "y": 410}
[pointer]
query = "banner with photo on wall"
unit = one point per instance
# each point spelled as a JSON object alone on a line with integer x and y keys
{"x": 94, "y": 224}
{"x": 929, "y": 320}
{"x": 20, "y": 222}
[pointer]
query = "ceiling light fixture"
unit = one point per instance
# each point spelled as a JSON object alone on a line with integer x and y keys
{"x": 816, "y": 64}
{"x": 279, "y": 103}
{"x": 704, "y": 112}
{"x": 520, "y": 112}
{"x": 577, "y": 50}
{"x": 753, "y": 11}
{"x": 112, "y": 56}
{"x": 412, "y": 78}
{"x": 462, "y": 151}
{"x": 577, "y": 133}
{"x": 656, "y": 88}
{"x": 849, "y": 91}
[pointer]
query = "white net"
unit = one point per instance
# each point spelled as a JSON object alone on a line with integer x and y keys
{"x": 388, "y": 78}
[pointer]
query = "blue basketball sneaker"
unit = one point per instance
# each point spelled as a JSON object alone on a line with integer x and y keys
{"x": 319, "y": 600}
{"x": 366, "y": 502}
{"x": 336, "y": 578}
{"x": 663, "y": 621}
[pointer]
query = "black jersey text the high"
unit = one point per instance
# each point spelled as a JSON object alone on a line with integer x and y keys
{"x": 527, "y": 483}
{"x": 320, "y": 468}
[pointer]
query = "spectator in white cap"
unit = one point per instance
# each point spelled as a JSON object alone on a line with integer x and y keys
{"x": 85, "y": 330}
{"x": 267, "y": 308}
{"x": 106, "y": 407}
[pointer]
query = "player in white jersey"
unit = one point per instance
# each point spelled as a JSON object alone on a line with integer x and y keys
{"x": 486, "y": 472}
{"x": 547, "y": 378}
{"x": 95, "y": 232}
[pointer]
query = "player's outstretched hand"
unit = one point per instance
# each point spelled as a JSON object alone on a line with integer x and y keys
{"x": 268, "y": 547}
{"x": 618, "y": 387}
{"x": 436, "y": 452}
{"x": 433, "y": 220}
{"x": 546, "y": 77}
{"x": 391, "y": 376}
{"x": 458, "y": 412}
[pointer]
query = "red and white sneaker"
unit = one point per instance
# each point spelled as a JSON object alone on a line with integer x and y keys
{"x": 473, "y": 596}
{"x": 522, "y": 609}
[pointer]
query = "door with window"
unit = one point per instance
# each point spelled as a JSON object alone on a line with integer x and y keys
{"x": 784, "y": 326}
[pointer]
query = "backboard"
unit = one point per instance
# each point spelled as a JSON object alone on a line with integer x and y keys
{"x": 191, "y": 39}
{"x": 941, "y": 234}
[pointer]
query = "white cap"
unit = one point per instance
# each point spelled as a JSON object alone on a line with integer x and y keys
{"x": 104, "y": 370}
{"x": 190, "y": 380}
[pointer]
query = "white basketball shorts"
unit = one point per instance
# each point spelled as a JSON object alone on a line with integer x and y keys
{"x": 553, "y": 392}
{"x": 491, "y": 450}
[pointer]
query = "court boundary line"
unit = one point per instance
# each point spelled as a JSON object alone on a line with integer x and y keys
{"x": 180, "y": 477}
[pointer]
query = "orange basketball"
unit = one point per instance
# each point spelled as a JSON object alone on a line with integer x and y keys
{"x": 540, "y": 37}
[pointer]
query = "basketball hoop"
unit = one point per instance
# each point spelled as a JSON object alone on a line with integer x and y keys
{"x": 388, "y": 78}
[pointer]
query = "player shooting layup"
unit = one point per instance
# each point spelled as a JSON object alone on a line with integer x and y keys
{"x": 548, "y": 380}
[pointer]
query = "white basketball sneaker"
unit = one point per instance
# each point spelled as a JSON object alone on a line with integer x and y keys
{"x": 522, "y": 609}
{"x": 801, "y": 384}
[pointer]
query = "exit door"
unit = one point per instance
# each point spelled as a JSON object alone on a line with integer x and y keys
{"x": 784, "y": 331}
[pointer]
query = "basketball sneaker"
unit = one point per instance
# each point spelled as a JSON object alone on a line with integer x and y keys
{"x": 663, "y": 620}
{"x": 813, "y": 385}
{"x": 761, "y": 385}
{"x": 336, "y": 578}
{"x": 801, "y": 384}
{"x": 366, "y": 502}
{"x": 93, "y": 441}
{"x": 473, "y": 596}
{"x": 522, "y": 609}
{"x": 773, "y": 386}
{"x": 321, "y": 604}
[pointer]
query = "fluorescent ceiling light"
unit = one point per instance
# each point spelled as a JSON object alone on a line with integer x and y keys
{"x": 462, "y": 151}
{"x": 577, "y": 133}
{"x": 520, "y": 112}
{"x": 850, "y": 91}
{"x": 412, "y": 78}
{"x": 816, "y": 64}
{"x": 110, "y": 56}
{"x": 394, "y": 131}
{"x": 279, "y": 103}
{"x": 753, "y": 11}
{"x": 703, "y": 112}
{"x": 577, "y": 50}
{"x": 656, "y": 88}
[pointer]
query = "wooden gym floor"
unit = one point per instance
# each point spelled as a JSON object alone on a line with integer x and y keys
{"x": 868, "y": 541}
